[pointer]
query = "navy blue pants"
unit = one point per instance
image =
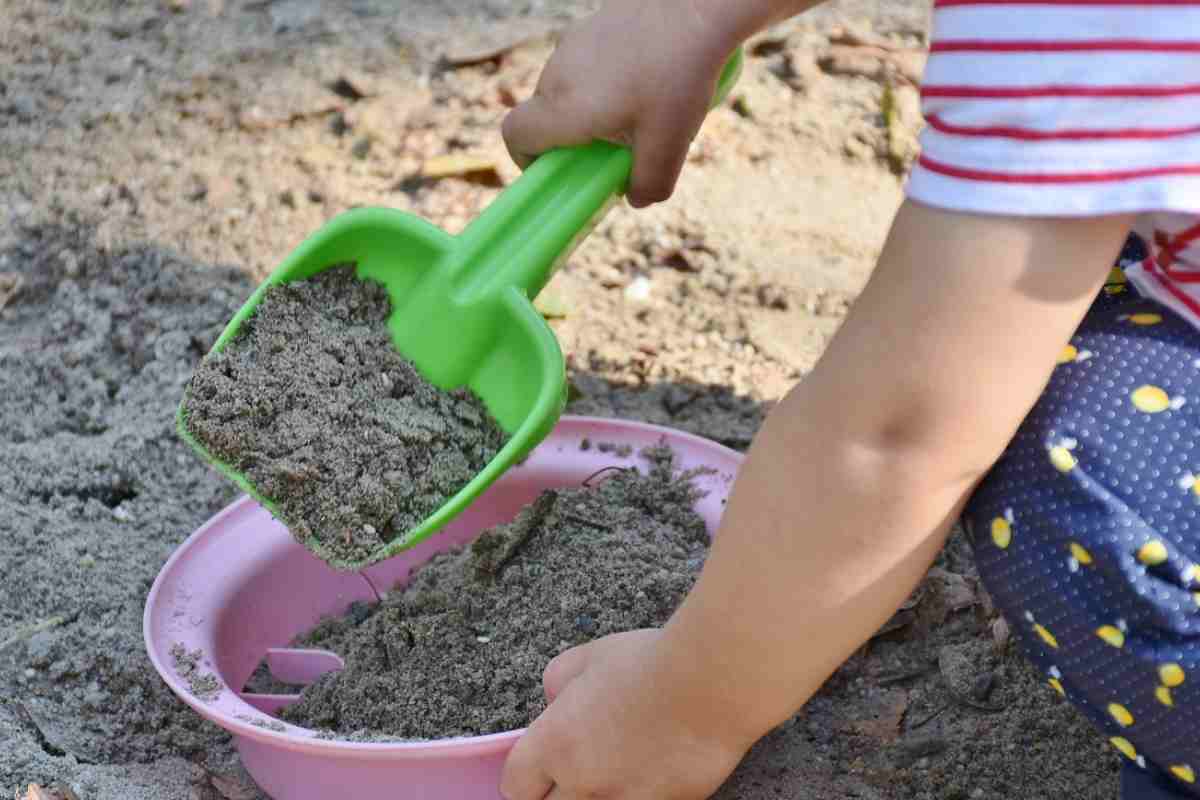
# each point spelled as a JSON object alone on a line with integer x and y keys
{"x": 1087, "y": 535}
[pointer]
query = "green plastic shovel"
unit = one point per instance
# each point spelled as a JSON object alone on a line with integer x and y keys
{"x": 462, "y": 308}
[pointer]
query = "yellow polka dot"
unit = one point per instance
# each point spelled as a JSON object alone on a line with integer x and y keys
{"x": 1145, "y": 319}
{"x": 1114, "y": 289}
{"x": 1068, "y": 354}
{"x": 1001, "y": 532}
{"x": 1062, "y": 459}
{"x": 1184, "y": 773}
{"x": 1046, "y": 635}
{"x": 1150, "y": 399}
{"x": 1121, "y": 714}
{"x": 1080, "y": 554}
{"x": 1125, "y": 746}
{"x": 1153, "y": 552}
{"x": 1163, "y": 695}
{"x": 1172, "y": 675}
{"x": 1116, "y": 275}
{"x": 1058, "y": 687}
{"x": 1112, "y": 635}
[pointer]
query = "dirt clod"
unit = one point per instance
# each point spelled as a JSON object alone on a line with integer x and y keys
{"x": 188, "y": 665}
{"x": 618, "y": 450}
{"x": 312, "y": 402}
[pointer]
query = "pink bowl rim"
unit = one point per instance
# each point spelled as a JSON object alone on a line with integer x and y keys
{"x": 455, "y": 747}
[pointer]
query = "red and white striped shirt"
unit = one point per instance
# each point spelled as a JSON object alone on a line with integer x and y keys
{"x": 1071, "y": 108}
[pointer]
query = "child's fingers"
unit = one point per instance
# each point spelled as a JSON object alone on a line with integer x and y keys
{"x": 659, "y": 152}
{"x": 564, "y": 668}
{"x": 536, "y": 126}
{"x": 523, "y": 777}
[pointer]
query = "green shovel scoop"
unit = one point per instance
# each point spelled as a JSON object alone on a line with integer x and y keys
{"x": 462, "y": 308}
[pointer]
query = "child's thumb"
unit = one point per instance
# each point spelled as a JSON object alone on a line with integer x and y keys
{"x": 564, "y": 668}
{"x": 536, "y": 126}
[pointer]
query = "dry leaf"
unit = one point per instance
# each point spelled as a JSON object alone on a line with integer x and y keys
{"x": 232, "y": 789}
{"x": 10, "y": 284}
{"x": 460, "y": 165}
{"x": 36, "y": 792}
{"x": 552, "y": 305}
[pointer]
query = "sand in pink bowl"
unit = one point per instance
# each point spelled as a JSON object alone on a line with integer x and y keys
{"x": 241, "y": 586}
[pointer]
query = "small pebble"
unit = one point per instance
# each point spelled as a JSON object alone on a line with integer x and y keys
{"x": 772, "y": 296}
{"x": 983, "y": 686}
{"x": 369, "y": 530}
{"x": 638, "y": 290}
{"x": 359, "y": 612}
{"x": 70, "y": 262}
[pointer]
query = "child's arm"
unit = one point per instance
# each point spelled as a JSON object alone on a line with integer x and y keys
{"x": 855, "y": 480}
{"x": 846, "y": 496}
{"x": 852, "y": 484}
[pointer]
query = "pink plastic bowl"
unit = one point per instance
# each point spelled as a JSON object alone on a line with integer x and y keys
{"x": 240, "y": 588}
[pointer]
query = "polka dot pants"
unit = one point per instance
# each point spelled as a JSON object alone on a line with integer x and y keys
{"x": 1087, "y": 534}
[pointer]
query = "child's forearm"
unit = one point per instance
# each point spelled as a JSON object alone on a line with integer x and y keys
{"x": 824, "y": 540}
{"x": 852, "y": 484}
{"x": 826, "y": 535}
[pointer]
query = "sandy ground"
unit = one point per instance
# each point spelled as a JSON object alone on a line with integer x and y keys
{"x": 156, "y": 159}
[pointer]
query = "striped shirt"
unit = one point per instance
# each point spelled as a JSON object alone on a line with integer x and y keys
{"x": 1070, "y": 108}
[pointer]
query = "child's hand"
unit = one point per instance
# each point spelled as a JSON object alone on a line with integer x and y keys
{"x": 636, "y": 73}
{"x": 615, "y": 729}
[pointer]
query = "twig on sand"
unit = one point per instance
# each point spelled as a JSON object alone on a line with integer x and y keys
{"x": 926, "y": 720}
{"x": 587, "y": 482}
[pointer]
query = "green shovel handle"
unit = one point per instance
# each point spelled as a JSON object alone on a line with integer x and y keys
{"x": 532, "y": 227}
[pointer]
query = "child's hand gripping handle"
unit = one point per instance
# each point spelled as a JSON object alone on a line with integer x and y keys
{"x": 534, "y": 225}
